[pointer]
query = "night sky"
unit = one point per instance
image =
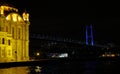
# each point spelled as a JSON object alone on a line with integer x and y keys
{"x": 68, "y": 18}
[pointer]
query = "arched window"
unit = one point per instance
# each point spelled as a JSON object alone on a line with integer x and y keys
{"x": 1, "y": 28}
{"x": 6, "y": 28}
{"x": 3, "y": 40}
{"x": 8, "y": 42}
{"x": 9, "y": 52}
{"x": 13, "y": 32}
{"x": 18, "y": 33}
{"x": 2, "y": 52}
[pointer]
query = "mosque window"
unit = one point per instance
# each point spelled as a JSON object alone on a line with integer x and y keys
{"x": 0, "y": 28}
{"x": 13, "y": 32}
{"x": 6, "y": 28}
{"x": 9, "y": 52}
{"x": 3, "y": 40}
{"x": 8, "y": 42}
{"x": 18, "y": 33}
{"x": 2, "y": 53}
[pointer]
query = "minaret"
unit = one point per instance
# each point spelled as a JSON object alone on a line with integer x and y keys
{"x": 1, "y": 10}
{"x": 25, "y": 16}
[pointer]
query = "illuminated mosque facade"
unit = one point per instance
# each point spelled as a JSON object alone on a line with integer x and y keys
{"x": 14, "y": 35}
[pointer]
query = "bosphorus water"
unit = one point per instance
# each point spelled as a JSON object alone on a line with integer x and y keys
{"x": 71, "y": 67}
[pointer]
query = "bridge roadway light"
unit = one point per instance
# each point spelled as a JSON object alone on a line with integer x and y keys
{"x": 38, "y": 53}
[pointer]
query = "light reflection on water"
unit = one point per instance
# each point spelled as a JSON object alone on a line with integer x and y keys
{"x": 21, "y": 70}
{"x": 15, "y": 70}
{"x": 77, "y": 68}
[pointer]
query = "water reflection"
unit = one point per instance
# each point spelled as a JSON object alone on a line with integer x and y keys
{"x": 15, "y": 70}
{"x": 76, "y": 67}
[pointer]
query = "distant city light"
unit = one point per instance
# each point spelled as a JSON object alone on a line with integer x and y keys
{"x": 63, "y": 55}
{"x": 38, "y": 53}
{"x": 108, "y": 55}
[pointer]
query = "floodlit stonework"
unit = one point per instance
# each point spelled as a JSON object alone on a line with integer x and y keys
{"x": 14, "y": 35}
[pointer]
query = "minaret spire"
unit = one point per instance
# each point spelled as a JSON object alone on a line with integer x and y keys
{"x": 25, "y": 15}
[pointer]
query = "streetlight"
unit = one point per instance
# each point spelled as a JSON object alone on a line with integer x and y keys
{"x": 38, "y": 53}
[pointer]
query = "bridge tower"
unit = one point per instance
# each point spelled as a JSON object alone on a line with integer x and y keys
{"x": 89, "y": 35}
